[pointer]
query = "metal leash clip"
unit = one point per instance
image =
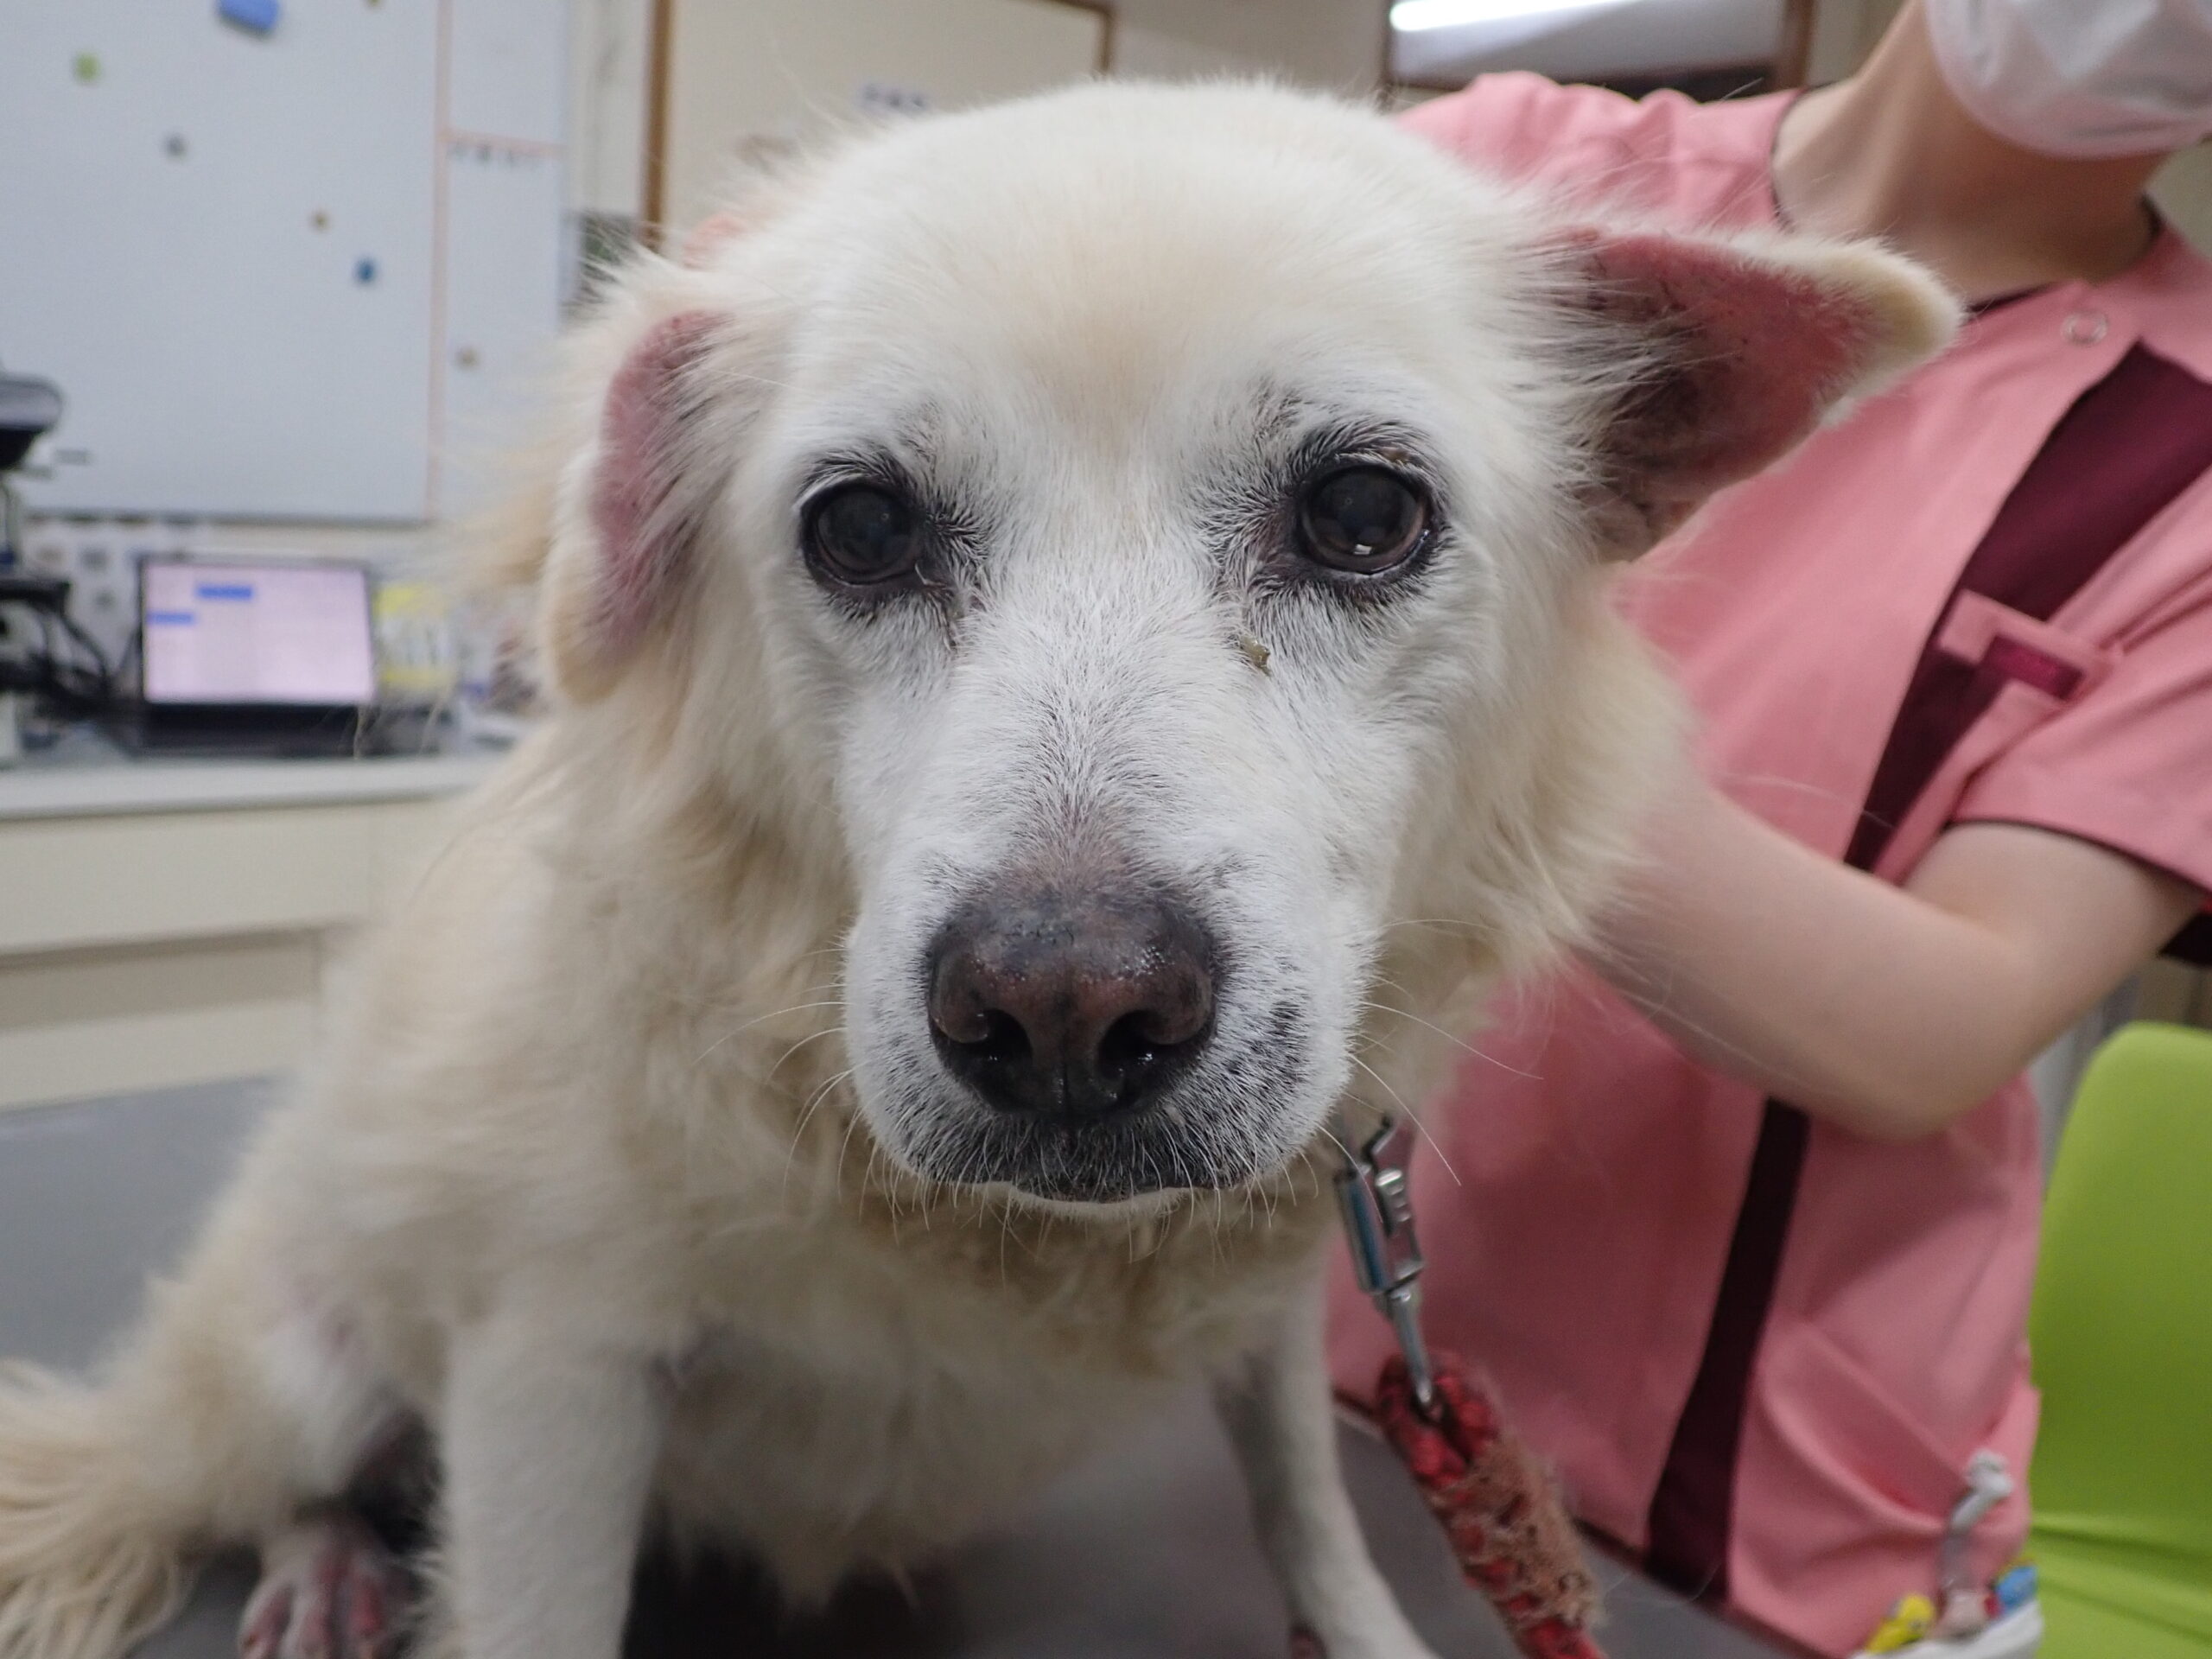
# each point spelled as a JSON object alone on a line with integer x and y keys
{"x": 1376, "y": 1198}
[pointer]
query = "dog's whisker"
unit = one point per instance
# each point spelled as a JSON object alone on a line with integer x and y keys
{"x": 806, "y": 1112}
{"x": 844, "y": 1144}
{"x": 890, "y": 1195}
{"x": 717, "y": 998}
{"x": 812, "y": 1037}
{"x": 1450, "y": 927}
{"x": 795, "y": 1008}
{"x": 1459, "y": 1043}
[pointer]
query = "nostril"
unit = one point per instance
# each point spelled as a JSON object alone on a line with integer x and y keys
{"x": 963, "y": 1011}
{"x": 1136, "y": 1042}
{"x": 1128, "y": 1046}
{"x": 999, "y": 1040}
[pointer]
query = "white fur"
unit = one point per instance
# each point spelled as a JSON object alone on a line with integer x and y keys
{"x": 628, "y": 1167}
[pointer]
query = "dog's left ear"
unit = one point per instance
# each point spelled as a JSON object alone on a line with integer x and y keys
{"x": 1742, "y": 347}
{"x": 632, "y": 506}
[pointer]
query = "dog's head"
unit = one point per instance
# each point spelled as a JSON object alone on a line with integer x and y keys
{"x": 1148, "y": 542}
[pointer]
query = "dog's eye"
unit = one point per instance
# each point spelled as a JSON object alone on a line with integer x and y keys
{"x": 1363, "y": 519}
{"x": 862, "y": 534}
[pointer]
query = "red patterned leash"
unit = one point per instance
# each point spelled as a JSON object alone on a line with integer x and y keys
{"x": 1509, "y": 1531}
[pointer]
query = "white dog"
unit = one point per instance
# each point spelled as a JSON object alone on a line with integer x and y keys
{"x": 1077, "y": 630}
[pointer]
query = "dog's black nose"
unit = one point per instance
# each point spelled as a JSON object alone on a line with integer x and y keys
{"x": 1071, "y": 1004}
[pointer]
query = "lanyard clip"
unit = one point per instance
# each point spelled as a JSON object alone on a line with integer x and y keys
{"x": 1376, "y": 1195}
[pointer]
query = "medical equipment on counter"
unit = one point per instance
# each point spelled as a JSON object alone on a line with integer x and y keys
{"x": 29, "y": 408}
{"x": 418, "y": 653}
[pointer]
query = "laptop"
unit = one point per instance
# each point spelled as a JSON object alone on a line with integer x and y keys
{"x": 242, "y": 657}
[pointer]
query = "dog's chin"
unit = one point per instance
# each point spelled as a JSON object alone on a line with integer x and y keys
{"x": 1114, "y": 1170}
{"x": 1142, "y": 1207}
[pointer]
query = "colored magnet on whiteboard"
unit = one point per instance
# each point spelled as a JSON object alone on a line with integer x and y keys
{"x": 255, "y": 17}
{"x": 85, "y": 66}
{"x": 365, "y": 270}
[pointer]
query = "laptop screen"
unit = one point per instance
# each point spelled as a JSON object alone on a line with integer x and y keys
{"x": 289, "y": 635}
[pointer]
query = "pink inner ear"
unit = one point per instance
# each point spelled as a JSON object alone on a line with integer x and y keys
{"x": 1752, "y": 354}
{"x": 641, "y": 524}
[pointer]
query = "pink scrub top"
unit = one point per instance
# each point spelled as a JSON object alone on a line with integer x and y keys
{"x": 1758, "y": 1350}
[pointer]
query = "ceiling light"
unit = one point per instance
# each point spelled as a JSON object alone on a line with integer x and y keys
{"x": 1412, "y": 16}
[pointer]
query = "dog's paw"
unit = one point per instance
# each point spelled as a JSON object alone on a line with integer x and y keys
{"x": 328, "y": 1590}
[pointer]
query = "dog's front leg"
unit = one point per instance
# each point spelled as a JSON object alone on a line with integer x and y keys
{"x": 549, "y": 1447}
{"x": 1276, "y": 1407}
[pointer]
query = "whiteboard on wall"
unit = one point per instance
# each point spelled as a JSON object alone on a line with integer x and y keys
{"x": 748, "y": 75}
{"x": 267, "y": 269}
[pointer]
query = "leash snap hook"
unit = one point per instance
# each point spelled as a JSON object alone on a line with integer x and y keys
{"x": 1375, "y": 1192}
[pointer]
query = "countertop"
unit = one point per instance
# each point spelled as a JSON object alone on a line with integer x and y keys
{"x": 88, "y": 774}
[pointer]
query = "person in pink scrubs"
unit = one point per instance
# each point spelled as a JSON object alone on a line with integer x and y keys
{"x": 1740, "y": 1214}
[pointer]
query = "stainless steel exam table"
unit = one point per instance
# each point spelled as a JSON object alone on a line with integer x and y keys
{"x": 1145, "y": 1554}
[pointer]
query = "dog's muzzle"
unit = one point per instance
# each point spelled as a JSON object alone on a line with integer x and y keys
{"x": 1093, "y": 1041}
{"x": 1069, "y": 1008}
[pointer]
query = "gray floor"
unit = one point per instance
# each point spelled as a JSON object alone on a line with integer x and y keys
{"x": 1147, "y": 1552}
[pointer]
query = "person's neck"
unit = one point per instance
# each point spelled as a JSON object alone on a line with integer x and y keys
{"x": 1891, "y": 153}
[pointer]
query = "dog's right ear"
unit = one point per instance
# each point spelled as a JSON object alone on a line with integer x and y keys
{"x": 632, "y": 506}
{"x": 1739, "y": 349}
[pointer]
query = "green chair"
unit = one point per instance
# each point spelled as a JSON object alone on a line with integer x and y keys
{"x": 2122, "y": 1334}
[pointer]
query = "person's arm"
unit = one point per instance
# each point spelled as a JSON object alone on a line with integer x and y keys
{"x": 1887, "y": 1011}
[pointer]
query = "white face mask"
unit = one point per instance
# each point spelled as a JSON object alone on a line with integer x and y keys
{"x": 2080, "y": 78}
